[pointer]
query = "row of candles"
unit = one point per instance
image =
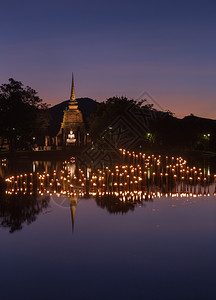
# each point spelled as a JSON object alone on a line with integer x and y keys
{"x": 138, "y": 176}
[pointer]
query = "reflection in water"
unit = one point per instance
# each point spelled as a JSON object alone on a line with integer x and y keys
{"x": 137, "y": 178}
{"x": 3, "y": 166}
{"x": 20, "y": 208}
{"x": 114, "y": 205}
{"x": 73, "y": 204}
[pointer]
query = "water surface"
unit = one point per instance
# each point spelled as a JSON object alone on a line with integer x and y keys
{"x": 159, "y": 245}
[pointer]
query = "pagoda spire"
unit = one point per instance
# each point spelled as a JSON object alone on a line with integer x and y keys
{"x": 73, "y": 103}
{"x": 72, "y": 97}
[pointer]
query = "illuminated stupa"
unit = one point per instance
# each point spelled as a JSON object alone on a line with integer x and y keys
{"x": 72, "y": 121}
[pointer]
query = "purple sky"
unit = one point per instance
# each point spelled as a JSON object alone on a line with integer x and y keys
{"x": 165, "y": 48}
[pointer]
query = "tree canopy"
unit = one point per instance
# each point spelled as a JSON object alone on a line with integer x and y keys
{"x": 114, "y": 107}
{"x": 160, "y": 129}
{"x": 24, "y": 116}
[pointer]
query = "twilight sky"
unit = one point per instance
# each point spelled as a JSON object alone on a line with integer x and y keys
{"x": 165, "y": 48}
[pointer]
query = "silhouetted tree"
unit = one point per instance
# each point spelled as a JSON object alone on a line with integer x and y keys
{"x": 113, "y": 108}
{"x": 23, "y": 115}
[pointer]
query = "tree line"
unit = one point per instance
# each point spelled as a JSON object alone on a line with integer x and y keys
{"x": 25, "y": 120}
{"x": 161, "y": 130}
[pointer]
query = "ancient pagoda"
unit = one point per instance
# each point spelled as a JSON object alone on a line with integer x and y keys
{"x": 72, "y": 122}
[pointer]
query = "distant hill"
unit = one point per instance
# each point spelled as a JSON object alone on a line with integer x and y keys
{"x": 192, "y": 118}
{"x": 86, "y": 105}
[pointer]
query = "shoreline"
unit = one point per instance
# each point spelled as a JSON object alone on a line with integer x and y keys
{"x": 67, "y": 153}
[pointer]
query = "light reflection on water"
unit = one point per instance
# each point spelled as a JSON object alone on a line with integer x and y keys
{"x": 99, "y": 234}
{"x": 119, "y": 188}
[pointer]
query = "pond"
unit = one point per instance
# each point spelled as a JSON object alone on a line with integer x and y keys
{"x": 141, "y": 228}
